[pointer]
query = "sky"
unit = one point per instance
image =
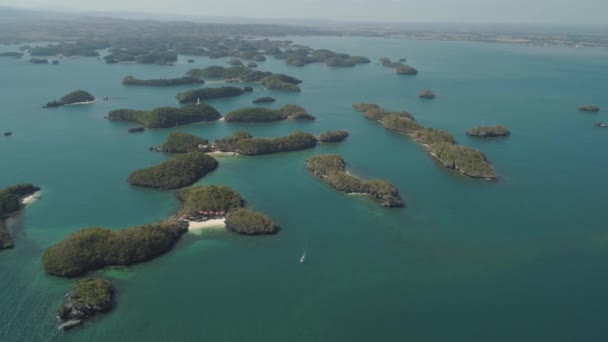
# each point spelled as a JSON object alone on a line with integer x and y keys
{"x": 570, "y": 12}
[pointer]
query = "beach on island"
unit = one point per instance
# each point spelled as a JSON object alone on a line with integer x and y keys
{"x": 194, "y": 226}
{"x": 27, "y": 200}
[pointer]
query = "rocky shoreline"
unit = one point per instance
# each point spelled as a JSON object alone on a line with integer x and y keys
{"x": 87, "y": 298}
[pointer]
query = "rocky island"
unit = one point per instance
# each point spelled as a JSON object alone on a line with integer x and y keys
{"x": 489, "y": 132}
{"x": 93, "y": 248}
{"x": 164, "y": 117}
{"x": 332, "y": 170}
{"x": 427, "y": 94}
{"x": 132, "y": 81}
{"x": 179, "y": 171}
{"x": 205, "y": 94}
{"x": 252, "y": 115}
{"x": 86, "y": 299}
{"x": 75, "y": 97}
{"x": 333, "y": 136}
{"x": 589, "y": 108}
{"x": 440, "y": 145}
{"x": 244, "y": 143}
{"x": 265, "y": 99}
{"x": 11, "y": 202}
{"x": 178, "y": 142}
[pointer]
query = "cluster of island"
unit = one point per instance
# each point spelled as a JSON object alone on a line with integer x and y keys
{"x": 440, "y": 144}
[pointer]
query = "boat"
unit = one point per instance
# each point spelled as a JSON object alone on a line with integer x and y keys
{"x": 302, "y": 258}
{"x": 601, "y": 124}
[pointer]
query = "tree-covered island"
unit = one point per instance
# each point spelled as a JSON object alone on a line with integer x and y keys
{"x": 265, "y": 99}
{"x": 204, "y": 94}
{"x": 164, "y": 117}
{"x": 332, "y": 170}
{"x": 400, "y": 68}
{"x": 11, "y": 203}
{"x": 87, "y": 298}
{"x": 333, "y": 136}
{"x": 245, "y": 74}
{"x": 185, "y": 80}
{"x": 489, "y": 131}
{"x": 179, "y": 171}
{"x": 75, "y": 97}
{"x": 179, "y": 142}
{"x": 253, "y": 115}
{"x": 440, "y": 144}
{"x": 244, "y": 143}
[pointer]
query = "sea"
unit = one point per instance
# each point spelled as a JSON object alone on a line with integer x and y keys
{"x": 521, "y": 259}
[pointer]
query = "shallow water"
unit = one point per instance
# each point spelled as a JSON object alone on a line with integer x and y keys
{"x": 522, "y": 259}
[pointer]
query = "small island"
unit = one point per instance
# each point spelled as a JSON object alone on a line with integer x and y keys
{"x": 589, "y": 108}
{"x": 86, "y": 299}
{"x": 601, "y": 124}
{"x": 39, "y": 61}
{"x": 185, "y": 80}
{"x": 427, "y": 94}
{"x": 75, "y": 97}
{"x": 333, "y": 136}
{"x": 182, "y": 170}
{"x": 205, "y": 94}
{"x": 178, "y": 142}
{"x": 244, "y": 143}
{"x": 244, "y": 74}
{"x": 400, "y": 68}
{"x": 265, "y": 99}
{"x": 332, "y": 170}
{"x": 12, "y": 202}
{"x": 12, "y": 54}
{"x": 489, "y": 132}
{"x": 440, "y": 144}
{"x": 221, "y": 206}
{"x": 253, "y": 115}
{"x": 164, "y": 117}
{"x": 94, "y": 248}
{"x": 136, "y": 129}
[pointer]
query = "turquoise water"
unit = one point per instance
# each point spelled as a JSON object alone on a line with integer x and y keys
{"x": 518, "y": 260}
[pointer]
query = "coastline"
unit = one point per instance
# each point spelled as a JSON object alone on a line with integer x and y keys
{"x": 27, "y": 200}
{"x": 80, "y": 103}
{"x": 197, "y": 227}
{"x": 222, "y": 154}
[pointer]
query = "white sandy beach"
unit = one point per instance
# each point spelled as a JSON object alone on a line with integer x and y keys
{"x": 194, "y": 226}
{"x": 81, "y": 103}
{"x": 222, "y": 154}
{"x": 31, "y": 198}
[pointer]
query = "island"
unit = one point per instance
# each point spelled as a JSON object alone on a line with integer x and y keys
{"x": 39, "y": 61}
{"x": 94, "y": 248}
{"x": 489, "y": 131}
{"x": 331, "y": 169}
{"x": 249, "y": 222}
{"x": 178, "y": 142}
{"x": 136, "y": 129}
{"x": 244, "y": 143}
{"x": 179, "y": 171}
{"x": 440, "y": 144}
{"x": 81, "y": 48}
{"x": 589, "y": 108}
{"x": 75, "y": 97}
{"x": 601, "y": 124}
{"x": 235, "y": 61}
{"x": 130, "y": 81}
{"x": 253, "y": 115}
{"x": 333, "y": 136}
{"x": 86, "y": 299}
{"x": 12, "y": 202}
{"x": 245, "y": 74}
{"x": 427, "y": 94}
{"x": 164, "y": 117}
{"x": 265, "y": 99}
{"x": 400, "y": 68}
{"x": 221, "y": 206}
{"x": 252, "y": 65}
{"x": 204, "y": 94}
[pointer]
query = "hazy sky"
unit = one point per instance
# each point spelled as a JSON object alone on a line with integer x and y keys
{"x": 465, "y": 11}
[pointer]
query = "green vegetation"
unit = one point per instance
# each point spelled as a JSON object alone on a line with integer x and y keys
{"x": 143, "y": 56}
{"x": 88, "y": 297}
{"x": 250, "y": 115}
{"x": 249, "y": 222}
{"x": 130, "y": 80}
{"x": 440, "y": 144}
{"x": 179, "y": 171}
{"x": 178, "y": 142}
{"x": 427, "y": 94}
{"x": 486, "y": 131}
{"x": 39, "y": 61}
{"x": 240, "y": 73}
{"x": 468, "y": 161}
{"x": 265, "y": 99}
{"x": 10, "y": 203}
{"x": 245, "y": 143}
{"x": 281, "y": 82}
{"x": 76, "y": 97}
{"x": 589, "y": 108}
{"x": 235, "y": 62}
{"x": 166, "y": 116}
{"x": 94, "y": 248}
{"x": 332, "y": 170}
{"x": 333, "y": 136}
{"x": 400, "y": 68}
{"x": 208, "y": 198}
{"x": 82, "y": 48}
{"x": 204, "y": 94}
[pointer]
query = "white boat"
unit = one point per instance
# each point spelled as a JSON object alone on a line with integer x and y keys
{"x": 302, "y": 258}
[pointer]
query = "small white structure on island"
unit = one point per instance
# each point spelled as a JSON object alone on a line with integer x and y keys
{"x": 198, "y": 100}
